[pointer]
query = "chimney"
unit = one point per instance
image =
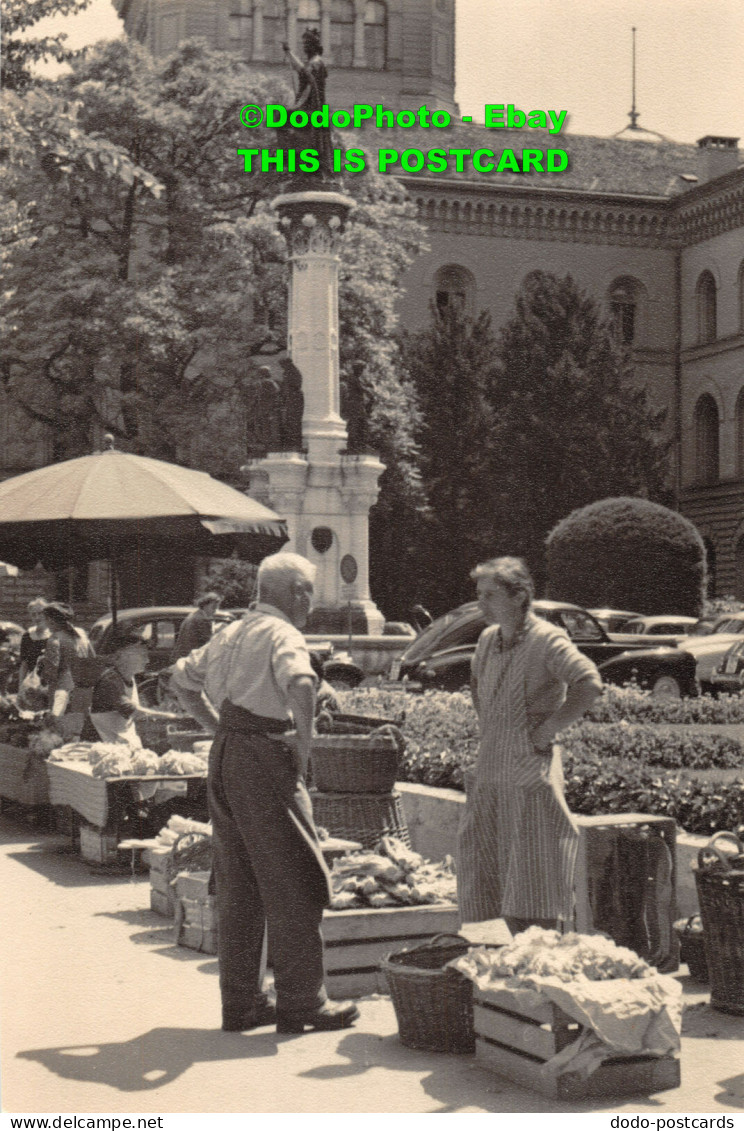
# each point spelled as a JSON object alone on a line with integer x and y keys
{"x": 716, "y": 156}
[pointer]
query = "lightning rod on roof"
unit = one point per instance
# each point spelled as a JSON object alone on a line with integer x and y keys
{"x": 634, "y": 115}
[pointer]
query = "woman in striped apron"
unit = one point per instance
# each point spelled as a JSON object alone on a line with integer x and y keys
{"x": 517, "y": 841}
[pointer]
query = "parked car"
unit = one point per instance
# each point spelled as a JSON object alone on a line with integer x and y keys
{"x": 440, "y": 656}
{"x": 159, "y": 626}
{"x": 612, "y": 620}
{"x": 660, "y": 626}
{"x": 710, "y": 648}
{"x": 729, "y": 675}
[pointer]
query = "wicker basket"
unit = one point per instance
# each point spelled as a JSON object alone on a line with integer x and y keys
{"x": 720, "y": 890}
{"x": 434, "y": 1006}
{"x": 692, "y": 947}
{"x": 354, "y": 763}
{"x": 361, "y": 816}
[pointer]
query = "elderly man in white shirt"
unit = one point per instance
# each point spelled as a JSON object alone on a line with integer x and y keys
{"x": 267, "y": 862}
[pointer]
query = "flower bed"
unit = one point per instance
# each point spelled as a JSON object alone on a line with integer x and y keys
{"x": 609, "y": 769}
{"x": 633, "y": 705}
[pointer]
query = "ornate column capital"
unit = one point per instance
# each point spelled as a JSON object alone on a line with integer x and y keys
{"x": 313, "y": 222}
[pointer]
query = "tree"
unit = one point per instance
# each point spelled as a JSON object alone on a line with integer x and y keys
{"x": 628, "y": 553}
{"x": 570, "y": 425}
{"x": 452, "y": 366}
{"x": 20, "y": 52}
{"x": 139, "y": 316}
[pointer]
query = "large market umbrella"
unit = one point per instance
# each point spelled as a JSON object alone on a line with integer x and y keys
{"x": 92, "y": 508}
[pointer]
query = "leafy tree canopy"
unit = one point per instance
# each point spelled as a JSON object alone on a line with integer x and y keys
{"x": 521, "y": 428}
{"x": 20, "y": 51}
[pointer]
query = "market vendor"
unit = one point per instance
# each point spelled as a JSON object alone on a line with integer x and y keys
{"x": 196, "y": 629}
{"x": 67, "y": 668}
{"x": 517, "y": 842}
{"x": 115, "y": 705}
{"x": 268, "y": 865}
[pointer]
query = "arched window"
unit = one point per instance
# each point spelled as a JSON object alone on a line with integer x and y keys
{"x": 240, "y": 25}
{"x": 625, "y": 296}
{"x": 274, "y": 30}
{"x": 454, "y": 288}
{"x": 706, "y": 308}
{"x": 706, "y": 440}
{"x": 308, "y": 16}
{"x": 739, "y": 418}
{"x": 342, "y": 32}
{"x": 375, "y": 34}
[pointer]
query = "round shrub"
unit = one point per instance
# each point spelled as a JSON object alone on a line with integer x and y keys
{"x": 627, "y": 553}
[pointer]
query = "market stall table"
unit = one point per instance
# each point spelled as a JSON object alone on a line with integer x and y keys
{"x": 103, "y": 802}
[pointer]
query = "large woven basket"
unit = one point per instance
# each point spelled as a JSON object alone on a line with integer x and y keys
{"x": 720, "y": 888}
{"x": 434, "y": 1006}
{"x": 361, "y": 816}
{"x": 354, "y": 763}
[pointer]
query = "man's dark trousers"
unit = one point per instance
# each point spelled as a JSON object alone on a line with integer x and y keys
{"x": 268, "y": 870}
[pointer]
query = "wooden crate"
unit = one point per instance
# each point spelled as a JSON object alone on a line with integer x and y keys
{"x": 162, "y": 895}
{"x": 23, "y": 777}
{"x": 357, "y": 940}
{"x": 195, "y": 917}
{"x": 97, "y": 846}
{"x": 516, "y": 1041}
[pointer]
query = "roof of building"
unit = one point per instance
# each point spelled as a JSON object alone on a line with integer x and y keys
{"x": 596, "y": 164}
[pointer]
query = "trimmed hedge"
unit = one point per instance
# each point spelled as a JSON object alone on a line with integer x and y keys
{"x": 627, "y": 553}
{"x": 631, "y": 704}
{"x": 648, "y": 746}
{"x": 609, "y": 769}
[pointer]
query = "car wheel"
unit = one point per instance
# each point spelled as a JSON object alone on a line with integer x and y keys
{"x": 666, "y": 687}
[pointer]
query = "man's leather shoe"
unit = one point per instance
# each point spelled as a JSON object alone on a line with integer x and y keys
{"x": 330, "y": 1015}
{"x": 263, "y": 1013}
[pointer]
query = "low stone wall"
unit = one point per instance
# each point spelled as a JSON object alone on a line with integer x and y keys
{"x": 433, "y": 815}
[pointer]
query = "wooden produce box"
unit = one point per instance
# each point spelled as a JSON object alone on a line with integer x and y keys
{"x": 162, "y": 894}
{"x": 195, "y": 918}
{"x": 23, "y": 776}
{"x": 515, "y": 1042}
{"x": 357, "y": 940}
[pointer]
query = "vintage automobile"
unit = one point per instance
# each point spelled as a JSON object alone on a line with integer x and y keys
{"x": 729, "y": 675}
{"x": 159, "y": 626}
{"x": 613, "y": 620}
{"x": 440, "y": 656}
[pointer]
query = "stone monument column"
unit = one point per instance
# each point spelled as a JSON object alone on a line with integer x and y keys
{"x": 324, "y": 492}
{"x": 313, "y": 223}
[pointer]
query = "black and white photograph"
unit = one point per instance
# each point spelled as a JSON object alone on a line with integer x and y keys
{"x": 372, "y": 561}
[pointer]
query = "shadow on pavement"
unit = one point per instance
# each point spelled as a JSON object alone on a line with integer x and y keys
{"x": 702, "y": 1020}
{"x": 152, "y": 1059}
{"x": 733, "y": 1093}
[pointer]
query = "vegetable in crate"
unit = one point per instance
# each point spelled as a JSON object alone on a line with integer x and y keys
{"x": 390, "y": 877}
{"x": 547, "y": 954}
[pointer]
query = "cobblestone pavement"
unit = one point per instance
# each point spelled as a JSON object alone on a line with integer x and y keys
{"x": 101, "y": 1012}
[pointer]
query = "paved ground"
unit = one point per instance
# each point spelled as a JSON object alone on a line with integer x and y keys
{"x": 102, "y": 1013}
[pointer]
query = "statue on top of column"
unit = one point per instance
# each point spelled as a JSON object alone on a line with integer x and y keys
{"x": 311, "y": 96}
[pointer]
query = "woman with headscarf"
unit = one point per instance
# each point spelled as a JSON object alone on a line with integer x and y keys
{"x": 518, "y": 841}
{"x": 68, "y": 669}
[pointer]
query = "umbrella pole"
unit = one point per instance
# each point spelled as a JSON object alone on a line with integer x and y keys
{"x": 113, "y": 579}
